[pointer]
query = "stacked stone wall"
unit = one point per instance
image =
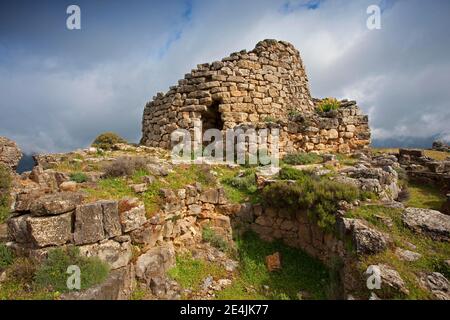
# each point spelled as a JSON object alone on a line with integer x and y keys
{"x": 266, "y": 85}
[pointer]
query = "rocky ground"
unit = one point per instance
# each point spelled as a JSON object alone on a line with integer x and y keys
{"x": 194, "y": 231}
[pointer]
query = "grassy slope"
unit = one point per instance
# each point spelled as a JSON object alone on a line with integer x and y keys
{"x": 299, "y": 272}
{"x": 425, "y": 196}
{"x": 433, "y": 252}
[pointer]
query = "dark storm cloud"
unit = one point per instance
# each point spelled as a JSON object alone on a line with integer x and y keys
{"x": 60, "y": 88}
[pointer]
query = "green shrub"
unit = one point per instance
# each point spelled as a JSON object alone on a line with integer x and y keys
{"x": 6, "y": 256}
{"x": 328, "y": 104}
{"x": 245, "y": 181}
{"x": 22, "y": 270}
{"x": 270, "y": 119}
{"x": 107, "y": 140}
{"x": 190, "y": 273}
{"x": 5, "y": 185}
{"x": 52, "y": 274}
{"x": 318, "y": 197}
{"x": 210, "y": 236}
{"x": 124, "y": 167}
{"x": 300, "y": 158}
{"x": 289, "y": 173}
{"x": 78, "y": 177}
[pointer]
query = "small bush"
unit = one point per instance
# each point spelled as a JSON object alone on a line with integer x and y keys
{"x": 328, "y": 104}
{"x": 288, "y": 173}
{"x": 404, "y": 195}
{"x": 318, "y": 197}
{"x": 124, "y": 167}
{"x": 300, "y": 158}
{"x": 210, "y": 236}
{"x": 245, "y": 181}
{"x": 78, "y": 177}
{"x": 22, "y": 270}
{"x": 6, "y": 256}
{"x": 52, "y": 274}
{"x": 270, "y": 119}
{"x": 107, "y": 140}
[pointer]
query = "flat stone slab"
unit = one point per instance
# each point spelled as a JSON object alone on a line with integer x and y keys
{"x": 50, "y": 231}
{"x": 428, "y": 222}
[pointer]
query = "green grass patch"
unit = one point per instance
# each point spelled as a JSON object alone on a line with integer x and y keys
{"x": 425, "y": 196}
{"x": 210, "y": 236}
{"x": 289, "y": 173}
{"x": 78, "y": 177}
{"x": 299, "y": 272}
{"x": 301, "y": 158}
{"x": 190, "y": 273}
{"x": 5, "y": 185}
{"x": 239, "y": 186}
{"x": 6, "y": 256}
{"x": 182, "y": 175}
{"x": 52, "y": 274}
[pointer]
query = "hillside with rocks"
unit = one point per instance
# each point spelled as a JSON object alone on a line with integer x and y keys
{"x": 335, "y": 219}
{"x": 168, "y": 231}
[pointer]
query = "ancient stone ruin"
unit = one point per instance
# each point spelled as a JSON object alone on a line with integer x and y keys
{"x": 266, "y": 87}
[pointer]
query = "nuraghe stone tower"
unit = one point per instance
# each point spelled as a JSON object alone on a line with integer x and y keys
{"x": 266, "y": 87}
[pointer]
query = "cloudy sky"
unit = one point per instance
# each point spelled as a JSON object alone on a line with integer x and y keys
{"x": 59, "y": 88}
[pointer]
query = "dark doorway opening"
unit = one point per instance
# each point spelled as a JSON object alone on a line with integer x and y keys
{"x": 212, "y": 118}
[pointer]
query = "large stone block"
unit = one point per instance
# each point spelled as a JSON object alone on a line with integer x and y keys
{"x": 54, "y": 204}
{"x": 116, "y": 254}
{"x": 111, "y": 221}
{"x": 88, "y": 224}
{"x": 50, "y": 231}
{"x": 155, "y": 262}
{"x": 131, "y": 214}
{"x": 210, "y": 196}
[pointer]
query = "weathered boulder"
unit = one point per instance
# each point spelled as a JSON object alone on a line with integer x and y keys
{"x": 118, "y": 286}
{"x": 50, "y": 231}
{"x": 428, "y": 222}
{"x": 139, "y": 188}
{"x": 24, "y": 200}
{"x": 155, "y": 262}
{"x": 366, "y": 239}
{"x": 71, "y": 186}
{"x": 391, "y": 283}
{"x": 273, "y": 262}
{"x": 149, "y": 234}
{"x": 116, "y": 254}
{"x": 49, "y": 179}
{"x": 407, "y": 255}
{"x": 132, "y": 214}
{"x": 162, "y": 287}
{"x": 18, "y": 229}
{"x": 437, "y": 284}
{"x": 10, "y": 153}
{"x": 56, "y": 203}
